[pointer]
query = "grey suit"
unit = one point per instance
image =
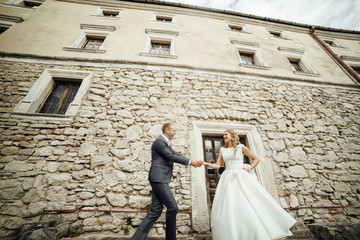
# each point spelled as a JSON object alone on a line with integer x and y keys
{"x": 160, "y": 174}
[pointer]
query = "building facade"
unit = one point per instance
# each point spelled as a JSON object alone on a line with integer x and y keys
{"x": 87, "y": 85}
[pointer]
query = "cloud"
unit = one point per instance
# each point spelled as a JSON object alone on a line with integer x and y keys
{"x": 344, "y": 14}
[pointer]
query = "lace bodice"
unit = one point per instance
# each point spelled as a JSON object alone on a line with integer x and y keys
{"x": 230, "y": 160}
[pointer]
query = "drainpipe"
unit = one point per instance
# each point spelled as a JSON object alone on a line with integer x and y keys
{"x": 333, "y": 54}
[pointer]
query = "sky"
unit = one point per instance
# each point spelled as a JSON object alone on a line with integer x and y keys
{"x": 343, "y": 14}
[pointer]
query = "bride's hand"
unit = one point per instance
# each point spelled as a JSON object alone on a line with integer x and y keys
{"x": 246, "y": 169}
{"x": 206, "y": 164}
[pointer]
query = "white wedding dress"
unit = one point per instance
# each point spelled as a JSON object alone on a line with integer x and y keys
{"x": 242, "y": 208}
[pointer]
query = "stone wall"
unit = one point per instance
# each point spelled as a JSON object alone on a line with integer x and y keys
{"x": 100, "y": 159}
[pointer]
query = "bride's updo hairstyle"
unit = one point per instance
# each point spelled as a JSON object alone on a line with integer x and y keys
{"x": 234, "y": 139}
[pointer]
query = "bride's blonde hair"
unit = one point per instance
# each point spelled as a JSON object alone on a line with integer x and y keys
{"x": 234, "y": 139}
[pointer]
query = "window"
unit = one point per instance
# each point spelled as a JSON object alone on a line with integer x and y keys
{"x": 275, "y": 34}
{"x": 333, "y": 43}
{"x": 297, "y": 61}
{"x": 107, "y": 12}
{"x": 163, "y": 18}
{"x": 211, "y": 147}
{"x": 110, "y": 13}
{"x": 296, "y": 66}
{"x": 160, "y": 43}
{"x": 328, "y": 42}
{"x": 236, "y": 28}
{"x": 91, "y": 39}
{"x": 7, "y": 22}
{"x": 61, "y": 95}
{"x": 160, "y": 48}
{"x": 56, "y": 94}
{"x": 93, "y": 43}
{"x": 3, "y": 29}
{"x": 356, "y": 69}
{"x": 25, "y": 3}
{"x": 249, "y": 54}
{"x": 32, "y": 4}
{"x": 353, "y": 62}
{"x": 278, "y": 34}
{"x": 247, "y": 58}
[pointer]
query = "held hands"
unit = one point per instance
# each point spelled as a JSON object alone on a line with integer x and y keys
{"x": 196, "y": 163}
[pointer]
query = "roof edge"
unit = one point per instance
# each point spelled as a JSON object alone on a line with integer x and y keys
{"x": 189, "y": 6}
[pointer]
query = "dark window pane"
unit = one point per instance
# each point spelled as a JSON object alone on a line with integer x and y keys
{"x": 3, "y": 29}
{"x": 218, "y": 144}
{"x": 62, "y": 94}
{"x": 275, "y": 34}
{"x": 209, "y": 156}
{"x": 160, "y": 48}
{"x": 164, "y": 19}
{"x": 296, "y": 66}
{"x": 247, "y": 58}
{"x": 356, "y": 69}
{"x": 110, "y": 13}
{"x": 93, "y": 43}
{"x": 208, "y": 144}
{"x": 235, "y": 28}
{"x": 32, "y": 4}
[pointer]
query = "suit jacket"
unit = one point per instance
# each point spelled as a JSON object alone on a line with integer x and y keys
{"x": 162, "y": 161}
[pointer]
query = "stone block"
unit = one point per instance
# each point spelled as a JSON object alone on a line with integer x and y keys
{"x": 56, "y": 194}
{"x": 86, "y": 195}
{"x": 116, "y": 200}
{"x": 139, "y": 202}
{"x": 18, "y": 166}
{"x": 277, "y": 145}
{"x": 7, "y": 151}
{"x": 294, "y": 202}
{"x": 100, "y": 160}
{"x": 58, "y": 178}
{"x": 335, "y": 231}
{"x": 297, "y": 171}
{"x": 87, "y": 149}
{"x": 134, "y": 133}
{"x": 44, "y": 151}
{"x": 297, "y": 153}
{"x": 113, "y": 177}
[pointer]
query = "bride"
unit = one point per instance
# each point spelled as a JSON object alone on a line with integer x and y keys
{"x": 242, "y": 208}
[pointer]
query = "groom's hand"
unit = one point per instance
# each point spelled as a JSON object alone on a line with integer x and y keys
{"x": 196, "y": 163}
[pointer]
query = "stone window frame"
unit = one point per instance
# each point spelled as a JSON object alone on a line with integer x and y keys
{"x": 154, "y": 35}
{"x": 90, "y": 30}
{"x": 28, "y": 107}
{"x": 334, "y": 43}
{"x": 21, "y": 3}
{"x": 165, "y": 15}
{"x": 295, "y": 54}
{"x": 7, "y": 21}
{"x": 282, "y": 34}
{"x": 242, "y": 26}
{"x": 250, "y": 48}
{"x": 264, "y": 169}
{"x": 99, "y": 12}
{"x": 351, "y": 61}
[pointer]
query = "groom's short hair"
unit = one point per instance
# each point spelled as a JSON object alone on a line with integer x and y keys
{"x": 165, "y": 126}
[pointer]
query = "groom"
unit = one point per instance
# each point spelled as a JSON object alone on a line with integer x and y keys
{"x": 160, "y": 174}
